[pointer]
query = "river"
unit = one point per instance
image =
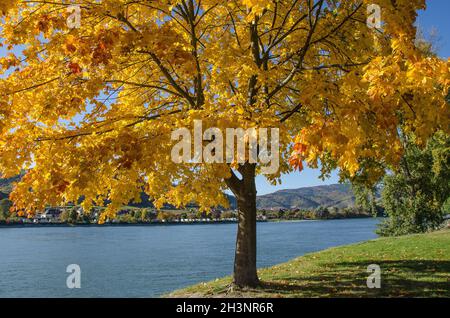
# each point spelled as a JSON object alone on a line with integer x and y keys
{"x": 147, "y": 261}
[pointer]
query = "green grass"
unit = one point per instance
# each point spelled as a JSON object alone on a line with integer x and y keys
{"x": 411, "y": 266}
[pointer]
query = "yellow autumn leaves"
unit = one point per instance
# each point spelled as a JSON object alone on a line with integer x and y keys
{"x": 90, "y": 110}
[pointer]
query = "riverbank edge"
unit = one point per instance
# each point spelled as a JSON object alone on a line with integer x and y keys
{"x": 403, "y": 250}
{"x": 30, "y": 225}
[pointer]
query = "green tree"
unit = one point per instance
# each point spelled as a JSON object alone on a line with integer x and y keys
{"x": 446, "y": 207}
{"x": 126, "y": 218}
{"x": 72, "y": 216}
{"x": 366, "y": 198}
{"x": 163, "y": 216}
{"x": 414, "y": 197}
{"x": 64, "y": 216}
{"x": 5, "y": 205}
{"x": 137, "y": 215}
{"x": 147, "y": 215}
{"x": 84, "y": 218}
{"x": 322, "y": 213}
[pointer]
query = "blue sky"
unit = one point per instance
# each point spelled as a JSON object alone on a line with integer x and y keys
{"x": 435, "y": 17}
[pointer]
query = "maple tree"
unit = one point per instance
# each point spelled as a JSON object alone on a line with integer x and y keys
{"x": 88, "y": 111}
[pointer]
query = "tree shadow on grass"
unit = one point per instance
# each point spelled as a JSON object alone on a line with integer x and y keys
{"x": 406, "y": 278}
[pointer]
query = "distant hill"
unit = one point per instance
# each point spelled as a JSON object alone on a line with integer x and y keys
{"x": 6, "y": 186}
{"x": 336, "y": 195}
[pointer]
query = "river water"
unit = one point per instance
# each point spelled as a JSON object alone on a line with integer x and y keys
{"x": 147, "y": 261}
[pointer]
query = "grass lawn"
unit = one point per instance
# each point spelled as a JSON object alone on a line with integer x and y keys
{"x": 411, "y": 266}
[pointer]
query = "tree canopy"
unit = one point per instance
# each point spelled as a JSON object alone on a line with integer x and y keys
{"x": 89, "y": 110}
{"x": 415, "y": 196}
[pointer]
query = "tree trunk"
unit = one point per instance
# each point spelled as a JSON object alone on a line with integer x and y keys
{"x": 245, "y": 274}
{"x": 245, "y": 258}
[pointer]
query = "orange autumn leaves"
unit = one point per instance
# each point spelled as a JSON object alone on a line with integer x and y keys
{"x": 298, "y": 156}
{"x": 74, "y": 68}
{"x": 6, "y": 5}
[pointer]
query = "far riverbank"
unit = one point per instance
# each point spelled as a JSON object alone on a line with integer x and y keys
{"x": 157, "y": 223}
